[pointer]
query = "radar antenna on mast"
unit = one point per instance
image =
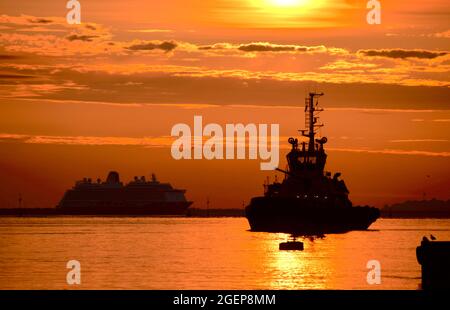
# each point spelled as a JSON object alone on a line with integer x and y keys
{"x": 311, "y": 118}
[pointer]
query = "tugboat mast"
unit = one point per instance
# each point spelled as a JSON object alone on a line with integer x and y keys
{"x": 311, "y": 119}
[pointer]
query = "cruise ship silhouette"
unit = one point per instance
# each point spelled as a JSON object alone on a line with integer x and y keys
{"x": 112, "y": 197}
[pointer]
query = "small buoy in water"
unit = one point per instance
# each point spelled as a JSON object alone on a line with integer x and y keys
{"x": 291, "y": 245}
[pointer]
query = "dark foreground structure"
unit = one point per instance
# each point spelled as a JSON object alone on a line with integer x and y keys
{"x": 111, "y": 197}
{"x": 308, "y": 200}
{"x": 434, "y": 256}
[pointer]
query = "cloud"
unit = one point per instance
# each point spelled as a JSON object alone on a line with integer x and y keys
{"x": 26, "y": 21}
{"x": 166, "y": 141}
{"x": 86, "y": 38}
{"x": 175, "y": 71}
{"x": 444, "y": 34}
{"x": 151, "y": 30}
{"x": 417, "y": 140}
{"x": 40, "y": 21}
{"x": 439, "y": 120}
{"x": 53, "y": 36}
{"x": 346, "y": 65}
{"x": 392, "y": 152}
{"x": 255, "y": 47}
{"x": 8, "y": 57}
{"x": 15, "y": 76}
{"x": 36, "y": 88}
{"x": 402, "y": 54}
{"x": 166, "y": 46}
{"x": 90, "y": 27}
{"x": 268, "y": 47}
{"x": 191, "y": 84}
{"x": 162, "y": 141}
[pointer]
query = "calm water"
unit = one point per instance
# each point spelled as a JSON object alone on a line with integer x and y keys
{"x": 203, "y": 253}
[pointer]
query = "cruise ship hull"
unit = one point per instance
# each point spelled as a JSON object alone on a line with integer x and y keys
{"x": 274, "y": 214}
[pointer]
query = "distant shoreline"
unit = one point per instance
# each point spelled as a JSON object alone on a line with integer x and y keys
{"x": 387, "y": 212}
{"x": 432, "y": 208}
{"x": 54, "y": 212}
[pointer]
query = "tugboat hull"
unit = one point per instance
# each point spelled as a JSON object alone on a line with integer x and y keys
{"x": 300, "y": 216}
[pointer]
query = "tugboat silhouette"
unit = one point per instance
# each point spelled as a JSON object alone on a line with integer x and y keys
{"x": 308, "y": 200}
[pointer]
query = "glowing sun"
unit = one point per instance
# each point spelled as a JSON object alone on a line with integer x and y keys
{"x": 287, "y": 13}
{"x": 287, "y": 3}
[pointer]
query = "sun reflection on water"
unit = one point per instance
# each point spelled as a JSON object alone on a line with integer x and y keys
{"x": 293, "y": 269}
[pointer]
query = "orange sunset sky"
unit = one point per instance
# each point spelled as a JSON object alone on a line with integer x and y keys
{"x": 81, "y": 100}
